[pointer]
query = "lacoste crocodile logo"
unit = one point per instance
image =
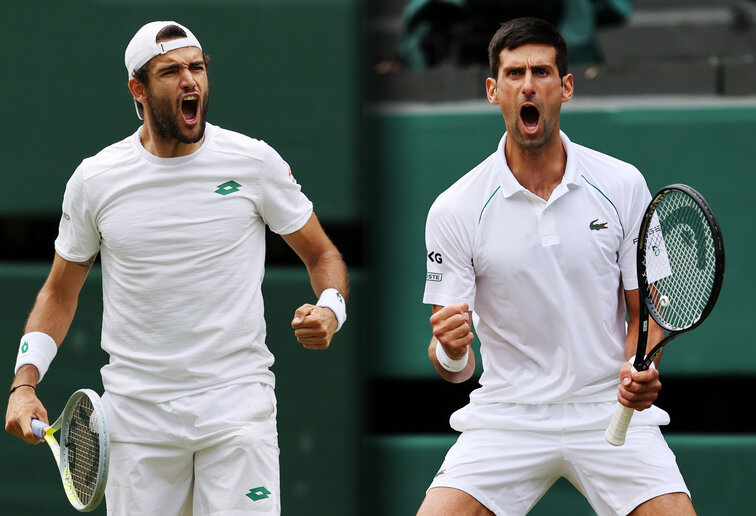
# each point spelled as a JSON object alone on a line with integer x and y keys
{"x": 595, "y": 225}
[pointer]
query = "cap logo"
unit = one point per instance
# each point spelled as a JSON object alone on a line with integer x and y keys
{"x": 166, "y": 46}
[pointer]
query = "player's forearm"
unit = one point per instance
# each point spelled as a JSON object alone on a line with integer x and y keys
{"x": 631, "y": 341}
{"x": 26, "y": 375}
{"x": 328, "y": 270}
{"x": 655, "y": 336}
{"x": 52, "y": 314}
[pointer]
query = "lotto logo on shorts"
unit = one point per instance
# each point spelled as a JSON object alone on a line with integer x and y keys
{"x": 258, "y": 493}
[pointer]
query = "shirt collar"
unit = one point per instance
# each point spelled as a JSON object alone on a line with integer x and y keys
{"x": 510, "y": 185}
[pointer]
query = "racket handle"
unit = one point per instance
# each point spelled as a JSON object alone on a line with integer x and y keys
{"x": 38, "y": 427}
{"x": 615, "y": 434}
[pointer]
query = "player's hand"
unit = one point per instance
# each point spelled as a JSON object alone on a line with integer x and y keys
{"x": 452, "y": 328}
{"x": 638, "y": 390}
{"x": 314, "y": 326}
{"x": 23, "y": 406}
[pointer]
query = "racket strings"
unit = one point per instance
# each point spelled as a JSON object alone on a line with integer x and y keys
{"x": 83, "y": 448}
{"x": 680, "y": 261}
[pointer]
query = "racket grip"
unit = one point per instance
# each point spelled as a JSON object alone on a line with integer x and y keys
{"x": 615, "y": 433}
{"x": 38, "y": 427}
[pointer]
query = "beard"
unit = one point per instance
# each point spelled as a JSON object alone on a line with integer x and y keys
{"x": 167, "y": 119}
{"x": 536, "y": 141}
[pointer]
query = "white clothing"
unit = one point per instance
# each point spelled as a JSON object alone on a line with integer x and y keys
{"x": 508, "y": 471}
{"x": 182, "y": 245}
{"x": 545, "y": 279}
{"x": 212, "y": 453}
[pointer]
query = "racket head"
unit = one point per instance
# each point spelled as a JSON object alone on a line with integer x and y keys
{"x": 84, "y": 450}
{"x": 680, "y": 262}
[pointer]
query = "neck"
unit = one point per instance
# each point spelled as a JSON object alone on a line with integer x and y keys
{"x": 538, "y": 170}
{"x": 165, "y": 146}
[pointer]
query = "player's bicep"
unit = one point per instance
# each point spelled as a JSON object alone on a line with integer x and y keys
{"x": 309, "y": 241}
{"x": 66, "y": 278}
{"x": 632, "y": 303}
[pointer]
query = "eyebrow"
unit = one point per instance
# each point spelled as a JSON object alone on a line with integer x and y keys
{"x": 522, "y": 66}
{"x": 175, "y": 66}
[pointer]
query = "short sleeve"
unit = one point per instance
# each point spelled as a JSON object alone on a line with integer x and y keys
{"x": 78, "y": 237}
{"x": 450, "y": 276}
{"x": 638, "y": 197}
{"x": 283, "y": 206}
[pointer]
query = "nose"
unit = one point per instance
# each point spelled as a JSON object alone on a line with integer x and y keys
{"x": 528, "y": 85}
{"x": 187, "y": 78}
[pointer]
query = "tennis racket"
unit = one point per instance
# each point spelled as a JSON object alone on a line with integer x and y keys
{"x": 680, "y": 264}
{"x": 83, "y": 457}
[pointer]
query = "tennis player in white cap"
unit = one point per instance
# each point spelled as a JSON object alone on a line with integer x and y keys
{"x": 177, "y": 212}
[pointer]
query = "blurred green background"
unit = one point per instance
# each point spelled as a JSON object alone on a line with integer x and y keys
{"x": 362, "y": 426}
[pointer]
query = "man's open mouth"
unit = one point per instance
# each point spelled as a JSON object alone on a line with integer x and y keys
{"x": 190, "y": 108}
{"x": 530, "y": 117}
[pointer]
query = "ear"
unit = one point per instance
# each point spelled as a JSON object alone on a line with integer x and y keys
{"x": 138, "y": 90}
{"x": 568, "y": 87}
{"x": 491, "y": 90}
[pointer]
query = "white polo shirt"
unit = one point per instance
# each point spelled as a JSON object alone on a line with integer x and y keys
{"x": 182, "y": 245}
{"x": 545, "y": 278}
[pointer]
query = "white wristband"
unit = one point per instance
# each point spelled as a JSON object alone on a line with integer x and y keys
{"x": 38, "y": 349}
{"x": 450, "y": 364}
{"x": 331, "y": 298}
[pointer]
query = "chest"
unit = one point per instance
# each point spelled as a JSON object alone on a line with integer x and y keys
{"x": 166, "y": 214}
{"x": 575, "y": 236}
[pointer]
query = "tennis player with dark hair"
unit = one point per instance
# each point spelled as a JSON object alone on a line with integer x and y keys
{"x": 177, "y": 212}
{"x": 537, "y": 253}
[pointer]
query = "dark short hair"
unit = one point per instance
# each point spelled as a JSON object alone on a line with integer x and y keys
{"x": 523, "y": 31}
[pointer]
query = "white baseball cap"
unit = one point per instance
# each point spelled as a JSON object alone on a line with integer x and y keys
{"x": 143, "y": 47}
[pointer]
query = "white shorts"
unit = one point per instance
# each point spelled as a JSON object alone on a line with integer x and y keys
{"x": 213, "y": 453}
{"x": 508, "y": 471}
